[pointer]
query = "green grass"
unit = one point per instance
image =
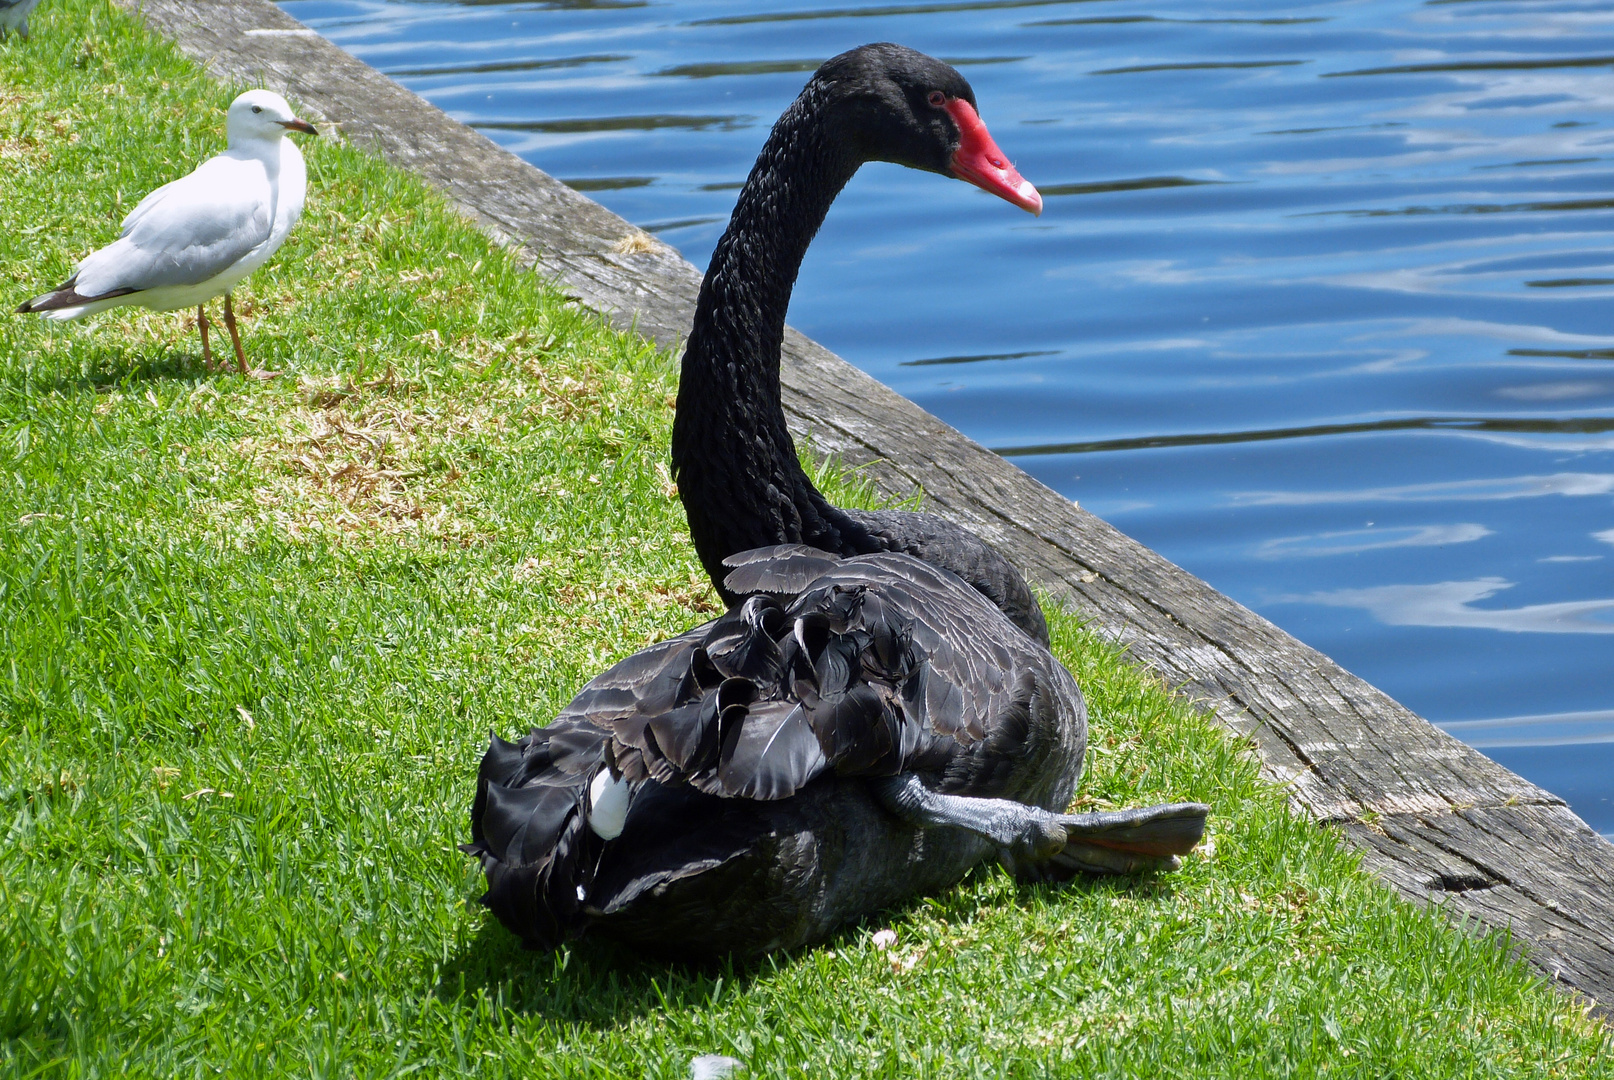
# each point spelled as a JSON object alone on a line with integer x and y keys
{"x": 254, "y": 636}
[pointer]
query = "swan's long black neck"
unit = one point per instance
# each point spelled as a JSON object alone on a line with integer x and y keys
{"x": 738, "y": 475}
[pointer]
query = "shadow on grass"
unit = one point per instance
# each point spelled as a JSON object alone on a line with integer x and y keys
{"x": 602, "y": 983}
{"x": 594, "y": 981}
{"x": 108, "y": 368}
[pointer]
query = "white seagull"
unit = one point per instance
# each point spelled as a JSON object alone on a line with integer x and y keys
{"x": 14, "y": 16}
{"x": 197, "y": 237}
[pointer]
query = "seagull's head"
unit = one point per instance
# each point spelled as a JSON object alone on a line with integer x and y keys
{"x": 261, "y": 115}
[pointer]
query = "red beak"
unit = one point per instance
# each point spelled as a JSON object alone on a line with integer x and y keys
{"x": 298, "y": 125}
{"x": 979, "y": 160}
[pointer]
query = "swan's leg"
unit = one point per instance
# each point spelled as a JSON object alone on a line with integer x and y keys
{"x": 1027, "y": 831}
{"x": 1045, "y": 844}
{"x": 201, "y": 323}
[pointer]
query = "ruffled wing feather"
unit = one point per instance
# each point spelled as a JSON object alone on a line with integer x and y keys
{"x": 869, "y": 666}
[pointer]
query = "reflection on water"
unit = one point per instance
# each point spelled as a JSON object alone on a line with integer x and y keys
{"x": 1583, "y": 424}
{"x": 1142, "y": 183}
{"x": 877, "y": 11}
{"x": 499, "y": 66}
{"x": 1113, "y": 20}
{"x": 1560, "y": 206}
{"x": 1450, "y": 603}
{"x": 620, "y": 123}
{"x": 1503, "y": 487}
{"x": 1554, "y": 729}
{"x": 934, "y": 360}
{"x": 1199, "y": 65}
{"x": 1318, "y": 305}
{"x": 1353, "y": 541}
{"x": 607, "y": 183}
{"x": 1487, "y": 65}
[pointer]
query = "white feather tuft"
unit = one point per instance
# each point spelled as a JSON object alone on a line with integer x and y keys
{"x": 608, "y": 805}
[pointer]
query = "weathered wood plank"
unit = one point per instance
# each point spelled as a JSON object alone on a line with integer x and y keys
{"x": 1536, "y": 869}
{"x": 1436, "y": 819}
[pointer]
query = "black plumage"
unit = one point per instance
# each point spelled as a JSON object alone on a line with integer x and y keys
{"x": 738, "y": 475}
{"x": 752, "y": 753}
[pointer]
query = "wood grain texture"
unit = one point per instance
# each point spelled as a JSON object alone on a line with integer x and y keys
{"x": 1436, "y": 819}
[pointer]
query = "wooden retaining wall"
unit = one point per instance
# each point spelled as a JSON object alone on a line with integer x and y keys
{"x": 1436, "y": 819}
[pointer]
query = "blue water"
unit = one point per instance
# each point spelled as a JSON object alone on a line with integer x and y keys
{"x": 1319, "y": 308}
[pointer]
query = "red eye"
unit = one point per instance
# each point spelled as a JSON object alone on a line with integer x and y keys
{"x": 937, "y": 99}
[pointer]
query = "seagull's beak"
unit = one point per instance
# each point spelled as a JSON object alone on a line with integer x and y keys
{"x": 298, "y": 125}
{"x": 979, "y": 160}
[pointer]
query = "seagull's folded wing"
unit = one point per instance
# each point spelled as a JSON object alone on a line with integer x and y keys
{"x": 186, "y": 232}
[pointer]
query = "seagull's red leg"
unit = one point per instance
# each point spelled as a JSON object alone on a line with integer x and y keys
{"x": 235, "y": 335}
{"x": 201, "y": 322}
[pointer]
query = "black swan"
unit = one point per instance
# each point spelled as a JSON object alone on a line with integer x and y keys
{"x": 733, "y": 458}
{"x": 856, "y": 732}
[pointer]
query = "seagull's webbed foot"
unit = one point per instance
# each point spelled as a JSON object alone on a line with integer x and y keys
{"x": 240, "y": 354}
{"x": 1037, "y": 843}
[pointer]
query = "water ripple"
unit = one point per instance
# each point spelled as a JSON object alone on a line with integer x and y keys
{"x": 1560, "y": 206}
{"x": 1478, "y": 65}
{"x": 725, "y": 68}
{"x": 1199, "y": 65}
{"x": 494, "y": 67}
{"x": 1580, "y": 425}
{"x": 979, "y": 359}
{"x": 880, "y": 11}
{"x": 1569, "y": 283}
{"x": 607, "y": 183}
{"x": 620, "y": 123}
{"x": 1142, "y": 183}
{"x": 1124, "y": 20}
{"x": 719, "y": 68}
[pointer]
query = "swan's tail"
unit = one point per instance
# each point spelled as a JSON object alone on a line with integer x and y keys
{"x": 547, "y": 809}
{"x": 1128, "y": 841}
{"x": 530, "y": 828}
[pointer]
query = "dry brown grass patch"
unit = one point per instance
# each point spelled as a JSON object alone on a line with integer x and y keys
{"x": 28, "y": 146}
{"x": 354, "y": 467}
{"x": 695, "y": 593}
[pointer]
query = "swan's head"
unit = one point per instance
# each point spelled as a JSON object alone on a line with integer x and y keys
{"x": 905, "y": 107}
{"x": 259, "y": 115}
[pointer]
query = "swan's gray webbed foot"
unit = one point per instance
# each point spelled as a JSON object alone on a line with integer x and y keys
{"x": 1126, "y": 841}
{"x": 1039, "y": 844}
